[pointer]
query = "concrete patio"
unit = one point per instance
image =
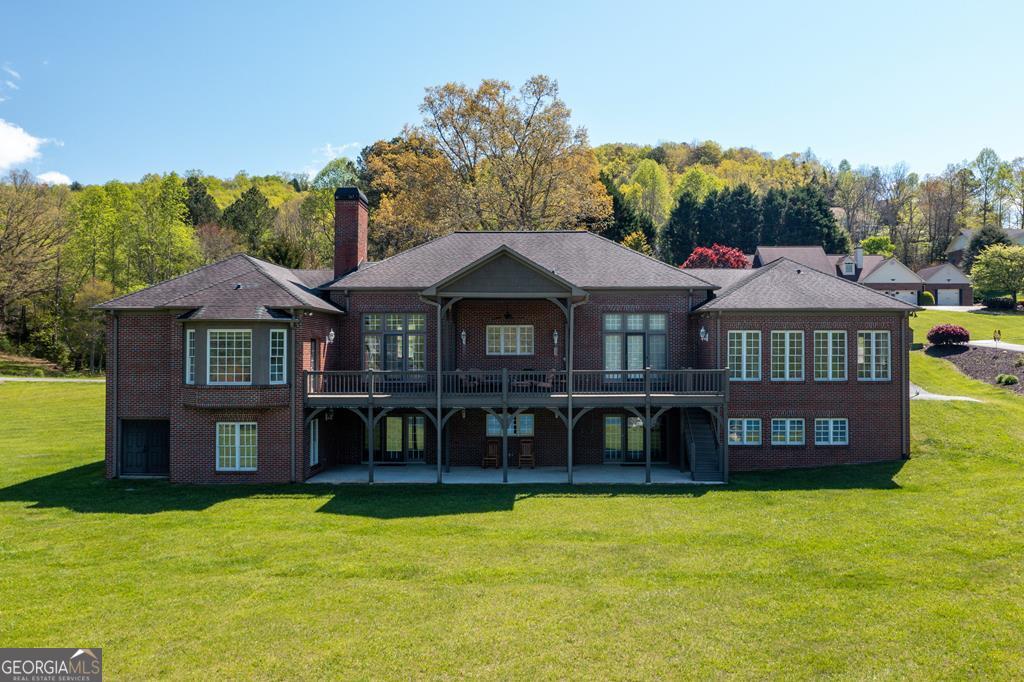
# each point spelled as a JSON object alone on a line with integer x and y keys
{"x": 608, "y": 474}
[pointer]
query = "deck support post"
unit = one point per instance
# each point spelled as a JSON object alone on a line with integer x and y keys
{"x": 569, "y": 424}
{"x": 370, "y": 424}
{"x": 438, "y": 423}
{"x": 504, "y": 424}
{"x": 647, "y": 425}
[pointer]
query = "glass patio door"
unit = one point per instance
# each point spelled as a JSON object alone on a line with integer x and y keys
{"x": 635, "y": 356}
{"x": 393, "y": 450}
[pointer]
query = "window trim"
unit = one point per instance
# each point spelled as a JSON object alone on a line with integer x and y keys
{"x": 502, "y": 351}
{"x": 622, "y": 331}
{"x": 874, "y": 365}
{"x": 210, "y": 332}
{"x": 744, "y": 423}
{"x": 831, "y": 431}
{"x": 515, "y": 431}
{"x": 314, "y": 442}
{"x": 284, "y": 357}
{"x": 846, "y": 355}
{"x": 789, "y": 420}
{"x": 190, "y": 357}
{"x": 743, "y": 354}
{"x": 787, "y": 356}
{"x": 237, "y": 446}
{"x": 383, "y": 332}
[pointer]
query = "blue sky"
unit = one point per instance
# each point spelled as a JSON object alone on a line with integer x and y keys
{"x": 96, "y": 91}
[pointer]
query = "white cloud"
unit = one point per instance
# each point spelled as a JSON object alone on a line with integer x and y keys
{"x": 54, "y": 178}
{"x": 16, "y": 145}
{"x": 11, "y": 72}
{"x": 329, "y": 152}
{"x": 12, "y": 85}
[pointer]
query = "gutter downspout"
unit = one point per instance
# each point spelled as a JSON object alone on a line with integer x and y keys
{"x": 438, "y": 424}
{"x": 294, "y": 387}
{"x": 905, "y": 388}
{"x": 116, "y": 473}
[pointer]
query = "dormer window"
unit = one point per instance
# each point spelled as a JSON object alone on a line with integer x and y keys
{"x": 849, "y": 268}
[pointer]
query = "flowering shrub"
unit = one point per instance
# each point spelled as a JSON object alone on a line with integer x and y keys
{"x": 718, "y": 256}
{"x": 948, "y": 334}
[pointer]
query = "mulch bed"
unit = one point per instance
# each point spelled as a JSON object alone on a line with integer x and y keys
{"x": 983, "y": 364}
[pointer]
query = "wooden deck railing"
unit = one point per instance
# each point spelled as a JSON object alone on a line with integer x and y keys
{"x": 516, "y": 383}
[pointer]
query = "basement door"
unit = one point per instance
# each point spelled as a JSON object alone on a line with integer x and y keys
{"x": 145, "y": 447}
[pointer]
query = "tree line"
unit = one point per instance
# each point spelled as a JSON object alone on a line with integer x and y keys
{"x": 488, "y": 157}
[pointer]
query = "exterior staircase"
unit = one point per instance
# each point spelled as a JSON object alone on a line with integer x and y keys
{"x": 705, "y": 460}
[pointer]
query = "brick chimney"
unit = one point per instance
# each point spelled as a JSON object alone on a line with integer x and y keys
{"x": 351, "y": 220}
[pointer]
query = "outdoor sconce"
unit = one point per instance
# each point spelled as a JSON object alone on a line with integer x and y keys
{"x": 330, "y": 337}
{"x": 704, "y": 335}
{"x": 554, "y": 337}
{"x": 462, "y": 335}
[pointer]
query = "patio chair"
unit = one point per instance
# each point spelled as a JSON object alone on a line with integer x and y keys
{"x": 526, "y": 453}
{"x": 492, "y": 454}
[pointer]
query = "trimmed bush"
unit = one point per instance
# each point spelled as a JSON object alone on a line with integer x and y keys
{"x": 1019, "y": 362}
{"x": 948, "y": 335}
{"x": 998, "y": 302}
{"x": 1006, "y": 380}
{"x": 925, "y": 298}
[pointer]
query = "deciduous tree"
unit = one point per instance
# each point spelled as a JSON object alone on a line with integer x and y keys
{"x": 1000, "y": 268}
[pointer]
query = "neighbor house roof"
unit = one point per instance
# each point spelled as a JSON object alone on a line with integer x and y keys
{"x": 870, "y": 263}
{"x": 954, "y": 274}
{"x": 721, "y": 277}
{"x": 238, "y": 288}
{"x": 811, "y": 256}
{"x": 788, "y": 285}
{"x": 582, "y": 258}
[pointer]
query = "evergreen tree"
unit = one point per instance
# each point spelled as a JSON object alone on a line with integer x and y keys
{"x": 202, "y": 209}
{"x": 773, "y": 218}
{"x": 638, "y": 242}
{"x": 680, "y": 235}
{"x": 625, "y": 218}
{"x": 251, "y": 217}
{"x": 982, "y": 239}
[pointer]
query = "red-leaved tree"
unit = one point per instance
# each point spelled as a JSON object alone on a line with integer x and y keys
{"x": 717, "y": 256}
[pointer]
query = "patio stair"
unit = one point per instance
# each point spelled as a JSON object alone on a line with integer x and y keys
{"x": 706, "y": 464}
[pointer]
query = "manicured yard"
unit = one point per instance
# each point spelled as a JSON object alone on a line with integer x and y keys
{"x": 909, "y": 569}
{"x": 979, "y": 324}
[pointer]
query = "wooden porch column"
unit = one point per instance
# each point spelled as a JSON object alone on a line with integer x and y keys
{"x": 569, "y": 423}
{"x": 439, "y": 423}
{"x": 504, "y": 424}
{"x": 370, "y": 423}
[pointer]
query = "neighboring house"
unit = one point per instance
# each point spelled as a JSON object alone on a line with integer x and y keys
{"x": 957, "y": 249}
{"x": 948, "y": 284}
{"x": 548, "y": 349}
{"x": 887, "y": 275}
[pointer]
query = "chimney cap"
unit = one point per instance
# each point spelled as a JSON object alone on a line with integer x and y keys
{"x": 349, "y": 194}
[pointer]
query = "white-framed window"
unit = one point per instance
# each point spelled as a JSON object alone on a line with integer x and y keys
{"x": 849, "y": 268}
{"x": 787, "y": 432}
{"x": 236, "y": 446}
{"x": 745, "y": 356}
{"x": 744, "y": 431}
{"x": 278, "y": 350}
{"x": 634, "y": 341}
{"x": 873, "y": 355}
{"x": 829, "y": 355}
{"x": 787, "y": 356}
{"x": 229, "y": 356}
{"x": 190, "y": 356}
{"x": 395, "y": 341}
{"x": 510, "y": 339}
{"x": 831, "y": 431}
{"x": 314, "y": 442}
{"x": 521, "y": 426}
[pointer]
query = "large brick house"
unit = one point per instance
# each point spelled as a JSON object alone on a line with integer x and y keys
{"x": 557, "y": 350}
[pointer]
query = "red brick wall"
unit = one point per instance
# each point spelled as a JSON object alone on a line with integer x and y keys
{"x": 877, "y": 427}
{"x": 351, "y": 221}
{"x": 589, "y": 318}
{"x": 150, "y": 385}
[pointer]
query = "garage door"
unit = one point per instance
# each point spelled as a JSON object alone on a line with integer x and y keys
{"x": 144, "y": 446}
{"x": 948, "y": 297}
{"x": 905, "y": 296}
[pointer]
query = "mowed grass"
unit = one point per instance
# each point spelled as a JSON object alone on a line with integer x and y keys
{"x": 903, "y": 570}
{"x": 980, "y": 324}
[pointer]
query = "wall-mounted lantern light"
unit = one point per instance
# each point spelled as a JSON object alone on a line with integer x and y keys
{"x": 554, "y": 338}
{"x": 462, "y": 335}
{"x": 704, "y": 336}
{"x": 330, "y": 336}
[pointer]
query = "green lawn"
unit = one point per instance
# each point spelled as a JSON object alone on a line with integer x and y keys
{"x": 979, "y": 324}
{"x": 912, "y": 569}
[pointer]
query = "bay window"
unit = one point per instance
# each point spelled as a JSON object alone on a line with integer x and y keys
{"x": 229, "y": 356}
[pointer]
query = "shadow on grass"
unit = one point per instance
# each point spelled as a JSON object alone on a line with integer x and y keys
{"x": 84, "y": 490}
{"x": 946, "y": 350}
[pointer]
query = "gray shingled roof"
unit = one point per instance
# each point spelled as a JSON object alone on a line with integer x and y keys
{"x": 811, "y": 256}
{"x": 583, "y": 258}
{"x": 787, "y": 285}
{"x": 721, "y": 277}
{"x": 238, "y": 288}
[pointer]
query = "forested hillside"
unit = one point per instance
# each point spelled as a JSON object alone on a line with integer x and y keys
{"x": 490, "y": 157}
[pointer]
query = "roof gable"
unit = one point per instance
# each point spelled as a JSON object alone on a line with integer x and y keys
{"x": 811, "y": 256}
{"x": 891, "y": 271}
{"x": 503, "y": 272}
{"x": 944, "y": 273}
{"x": 791, "y": 286}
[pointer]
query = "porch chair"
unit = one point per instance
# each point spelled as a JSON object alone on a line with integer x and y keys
{"x": 526, "y": 453}
{"x": 492, "y": 454}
